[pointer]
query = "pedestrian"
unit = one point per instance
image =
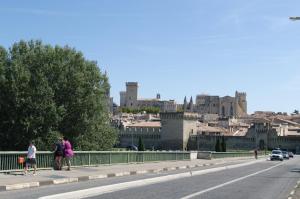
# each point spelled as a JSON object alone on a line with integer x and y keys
{"x": 68, "y": 152}
{"x": 31, "y": 158}
{"x": 255, "y": 153}
{"x": 58, "y": 154}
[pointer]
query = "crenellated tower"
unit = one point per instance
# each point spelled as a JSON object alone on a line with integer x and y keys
{"x": 240, "y": 104}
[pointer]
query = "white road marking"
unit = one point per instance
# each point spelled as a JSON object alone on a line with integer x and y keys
{"x": 138, "y": 183}
{"x": 227, "y": 183}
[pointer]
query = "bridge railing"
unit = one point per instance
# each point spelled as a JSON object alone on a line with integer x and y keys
{"x": 213, "y": 154}
{"x": 233, "y": 154}
{"x": 45, "y": 159}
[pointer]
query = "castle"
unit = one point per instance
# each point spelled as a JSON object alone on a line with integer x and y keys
{"x": 129, "y": 99}
{"x": 205, "y": 104}
{"x": 223, "y": 106}
{"x": 197, "y": 126}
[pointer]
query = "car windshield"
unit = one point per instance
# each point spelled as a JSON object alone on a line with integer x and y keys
{"x": 276, "y": 152}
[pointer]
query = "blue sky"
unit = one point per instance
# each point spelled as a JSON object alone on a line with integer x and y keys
{"x": 177, "y": 48}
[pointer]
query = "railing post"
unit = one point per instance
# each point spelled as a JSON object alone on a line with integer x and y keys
{"x": 127, "y": 157}
{"x": 109, "y": 157}
{"x": 89, "y": 159}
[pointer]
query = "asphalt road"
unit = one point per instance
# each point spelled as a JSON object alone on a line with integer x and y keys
{"x": 263, "y": 179}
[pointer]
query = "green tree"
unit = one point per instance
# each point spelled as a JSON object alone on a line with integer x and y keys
{"x": 218, "y": 145}
{"x": 48, "y": 91}
{"x": 141, "y": 145}
{"x": 223, "y": 144}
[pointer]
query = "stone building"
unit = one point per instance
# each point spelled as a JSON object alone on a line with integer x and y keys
{"x": 129, "y": 99}
{"x": 223, "y": 106}
{"x": 131, "y": 94}
{"x": 149, "y": 132}
{"x": 182, "y": 131}
{"x": 171, "y": 133}
{"x": 176, "y": 130}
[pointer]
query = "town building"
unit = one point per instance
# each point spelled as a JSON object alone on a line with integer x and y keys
{"x": 184, "y": 131}
{"x": 223, "y": 106}
{"x": 129, "y": 99}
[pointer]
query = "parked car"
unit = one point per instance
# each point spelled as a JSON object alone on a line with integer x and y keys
{"x": 291, "y": 155}
{"x": 285, "y": 155}
{"x": 276, "y": 155}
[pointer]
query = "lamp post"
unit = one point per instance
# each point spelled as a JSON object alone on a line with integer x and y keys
{"x": 294, "y": 18}
{"x": 266, "y": 148}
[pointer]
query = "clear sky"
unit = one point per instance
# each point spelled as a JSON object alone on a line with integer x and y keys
{"x": 177, "y": 48}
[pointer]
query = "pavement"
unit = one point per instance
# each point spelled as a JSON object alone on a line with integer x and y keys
{"x": 17, "y": 180}
{"x": 295, "y": 193}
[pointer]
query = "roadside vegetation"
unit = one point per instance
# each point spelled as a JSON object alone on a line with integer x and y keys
{"x": 52, "y": 91}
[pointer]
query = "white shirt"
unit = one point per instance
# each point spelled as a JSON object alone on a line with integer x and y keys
{"x": 31, "y": 152}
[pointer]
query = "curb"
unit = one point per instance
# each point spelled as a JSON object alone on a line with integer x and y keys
{"x": 19, "y": 186}
{"x": 291, "y": 195}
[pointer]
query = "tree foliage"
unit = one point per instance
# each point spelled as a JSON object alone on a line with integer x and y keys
{"x": 141, "y": 146}
{"x": 218, "y": 145}
{"x": 50, "y": 91}
{"x": 223, "y": 144}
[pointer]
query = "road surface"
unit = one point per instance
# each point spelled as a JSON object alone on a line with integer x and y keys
{"x": 247, "y": 180}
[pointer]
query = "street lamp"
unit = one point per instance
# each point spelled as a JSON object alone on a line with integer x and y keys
{"x": 294, "y": 18}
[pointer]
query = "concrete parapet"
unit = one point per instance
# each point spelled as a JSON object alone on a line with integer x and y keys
{"x": 204, "y": 155}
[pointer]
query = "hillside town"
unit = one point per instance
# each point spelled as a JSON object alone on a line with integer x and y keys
{"x": 197, "y": 126}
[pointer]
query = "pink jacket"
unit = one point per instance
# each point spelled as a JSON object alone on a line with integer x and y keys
{"x": 68, "y": 152}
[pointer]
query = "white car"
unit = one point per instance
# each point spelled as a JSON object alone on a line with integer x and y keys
{"x": 276, "y": 155}
{"x": 285, "y": 155}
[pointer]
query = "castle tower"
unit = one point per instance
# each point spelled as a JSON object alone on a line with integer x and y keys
{"x": 176, "y": 129}
{"x": 240, "y": 104}
{"x": 131, "y": 94}
{"x": 122, "y": 98}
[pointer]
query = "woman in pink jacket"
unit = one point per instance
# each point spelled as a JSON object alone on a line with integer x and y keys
{"x": 68, "y": 152}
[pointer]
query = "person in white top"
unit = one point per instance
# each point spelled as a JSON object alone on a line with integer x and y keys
{"x": 31, "y": 158}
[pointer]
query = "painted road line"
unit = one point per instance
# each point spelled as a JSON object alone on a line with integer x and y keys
{"x": 22, "y": 186}
{"x": 91, "y": 192}
{"x": 65, "y": 180}
{"x": 227, "y": 183}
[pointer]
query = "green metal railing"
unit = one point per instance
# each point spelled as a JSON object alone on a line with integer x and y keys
{"x": 45, "y": 159}
{"x": 233, "y": 154}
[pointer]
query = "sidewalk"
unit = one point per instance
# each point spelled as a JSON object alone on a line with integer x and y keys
{"x": 50, "y": 177}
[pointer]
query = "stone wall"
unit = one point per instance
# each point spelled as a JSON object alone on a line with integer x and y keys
{"x": 130, "y": 136}
{"x": 207, "y": 142}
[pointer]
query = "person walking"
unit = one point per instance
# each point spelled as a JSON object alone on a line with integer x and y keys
{"x": 255, "y": 153}
{"x": 68, "y": 152}
{"x": 31, "y": 158}
{"x": 58, "y": 154}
